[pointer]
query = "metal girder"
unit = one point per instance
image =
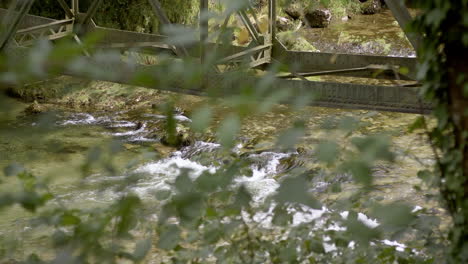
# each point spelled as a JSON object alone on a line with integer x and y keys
{"x": 13, "y": 19}
{"x": 66, "y": 8}
{"x": 91, "y": 11}
{"x": 272, "y": 19}
{"x": 377, "y": 71}
{"x": 28, "y": 20}
{"x": 53, "y": 24}
{"x": 248, "y": 25}
{"x": 129, "y": 38}
{"x": 135, "y": 45}
{"x": 403, "y": 17}
{"x": 305, "y": 61}
{"x": 326, "y": 94}
{"x": 244, "y": 53}
{"x": 159, "y": 12}
{"x": 302, "y": 64}
{"x": 203, "y": 27}
{"x": 52, "y": 30}
{"x": 76, "y": 7}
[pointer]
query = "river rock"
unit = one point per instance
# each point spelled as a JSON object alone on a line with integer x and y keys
{"x": 370, "y": 7}
{"x": 294, "y": 41}
{"x": 294, "y": 10}
{"x": 259, "y": 3}
{"x": 284, "y": 24}
{"x": 182, "y": 138}
{"x": 35, "y": 108}
{"x": 317, "y": 18}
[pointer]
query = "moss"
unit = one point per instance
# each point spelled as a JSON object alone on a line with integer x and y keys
{"x": 138, "y": 15}
{"x": 293, "y": 41}
{"x": 134, "y": 15}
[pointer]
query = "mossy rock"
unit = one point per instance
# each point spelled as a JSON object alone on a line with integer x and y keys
{"x": 293, "y": 41}
{"x": 35, "y": 108}
{"x": 370, "y": 7}
{"x": 182, "y": 138}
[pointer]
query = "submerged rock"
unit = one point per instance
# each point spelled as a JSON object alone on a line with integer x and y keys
{"x": 317, "y": 18}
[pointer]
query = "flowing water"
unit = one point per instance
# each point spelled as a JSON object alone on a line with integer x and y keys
{"x": 55, "y": 146}
{"x": 377, "y": 34}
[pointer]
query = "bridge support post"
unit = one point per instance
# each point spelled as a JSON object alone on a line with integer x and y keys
{"x": 66, "y": 8}
{"x": 76, "y": 7}
{"x": 403, "y": 17}
{"x": 203, "y": 26}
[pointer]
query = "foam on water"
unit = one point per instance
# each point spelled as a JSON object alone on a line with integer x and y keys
{"x": 261, "y": 184}
{"x": 165, "y": 171}
{"x": 180, "y": 118}
{"x": 142, "y": 129}
{"x": 80, "y": 119}
{"x": 122, "y": 124}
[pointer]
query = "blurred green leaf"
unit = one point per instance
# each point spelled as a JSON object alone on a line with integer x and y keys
{"x": 125, "y": 213}
{"x": 348, "y": 124}
{"x": 228, "y": 130}
{"x": 394, "y": 216}
{"x": 417, "y": 124}
{"x": 374, "y": 147}
{"x": 169, "y": 237}
{"x": 292, "y": 136}
{"x": 360, "y": 170}
{"x": 163, "y": 194}
{"x": 360, "y": 232}
{"x": 13, "y": 169}
{"x": 201, "y": 119}
{"x": 295, "y": 190}
{"x": 68, "y": 219}
{"x": 327, "y": 151}
{"x": 141, "y": 250}
{"x": 281, "y": 217}
{"x": 242, "y": 198}
{"x": 183, "y": 183}
{"x": 426, "y": 176}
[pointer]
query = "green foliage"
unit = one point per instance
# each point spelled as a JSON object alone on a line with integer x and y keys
{"x": 444, "y": 26}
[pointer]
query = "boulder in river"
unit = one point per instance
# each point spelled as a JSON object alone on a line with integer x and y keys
{"x": 284, "y": 24}
{"x": 35, "y": 108}
{"x": 317, "y": 18}
{"x": 182, "y": 137}
{"x": 370, "y": 7}
{"x": 294, "y": 10}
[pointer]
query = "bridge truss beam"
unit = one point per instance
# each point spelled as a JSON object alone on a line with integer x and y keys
{"x": 262, "y": 53}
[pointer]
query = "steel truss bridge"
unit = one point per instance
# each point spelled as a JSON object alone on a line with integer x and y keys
{"x": 23, "y": 29}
